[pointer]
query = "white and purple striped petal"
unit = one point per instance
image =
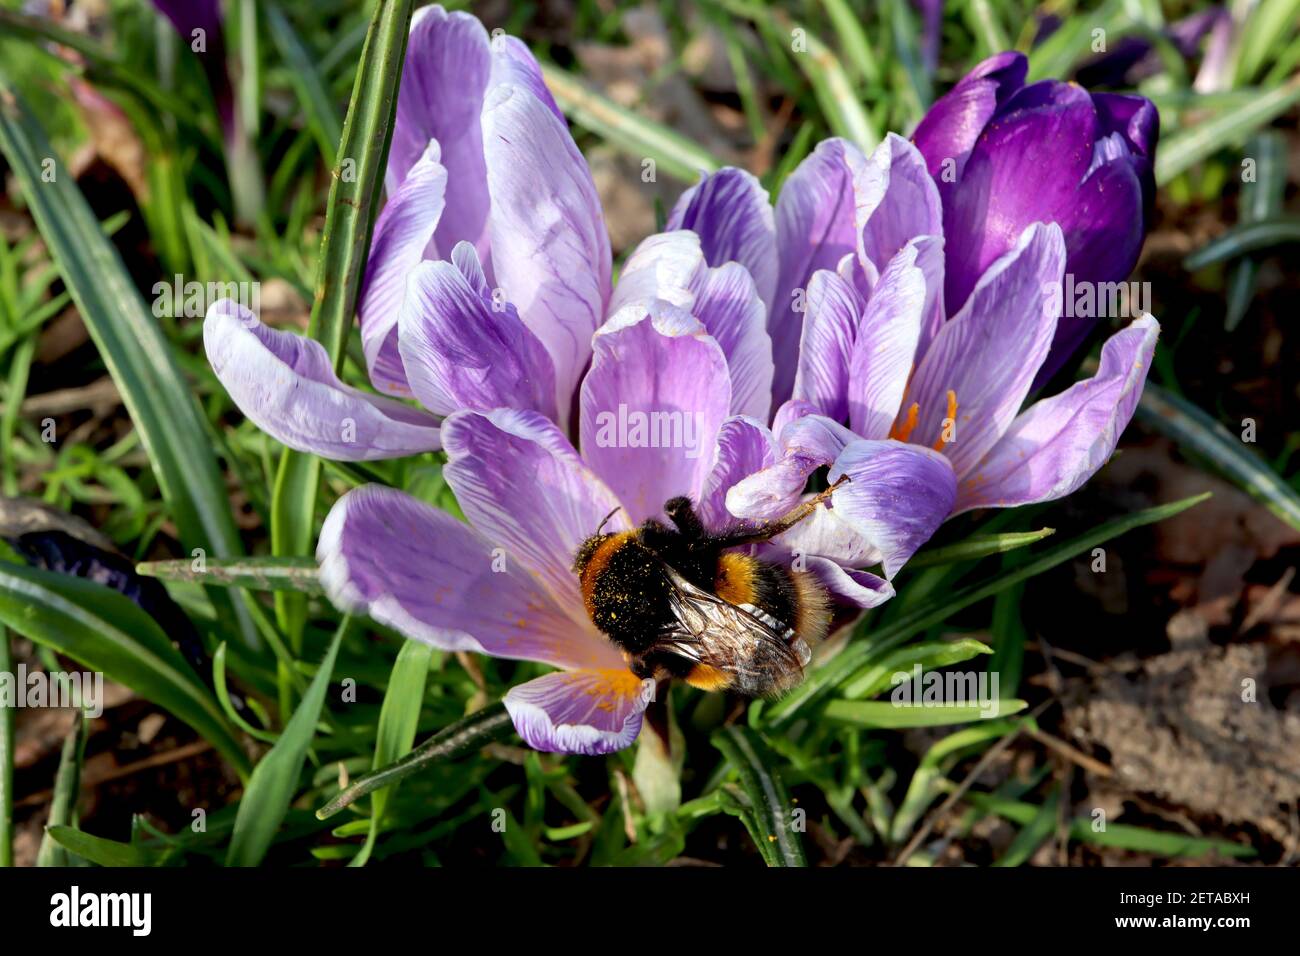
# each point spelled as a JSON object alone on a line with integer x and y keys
{"x": 435, "y": 579}
{"x": 287, "y": 386}
{"x": 589, "y": 712}
{"x": 896, "y": 497}
{"x": 524, "y": 488}
{"x": 463, "y": 348}
{"x": 1057, "y": 444}
{"x": 651, "y": 406}
{"x": 550, "y": 250}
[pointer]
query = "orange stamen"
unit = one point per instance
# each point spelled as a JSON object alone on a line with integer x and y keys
{"x": 902, "y": 430}
{"x": 948, "y": 423}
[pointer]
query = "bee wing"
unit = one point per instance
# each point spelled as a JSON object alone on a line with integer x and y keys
{"x": 741, "y": 640}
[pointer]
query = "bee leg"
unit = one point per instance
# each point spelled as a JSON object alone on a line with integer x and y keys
{"x": 681, "y": 512}
{"x": 770, "y": 529}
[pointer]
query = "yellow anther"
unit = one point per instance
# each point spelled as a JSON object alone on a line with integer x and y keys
{"x": 902, "y": 430}
{"x": 949, "y": 426}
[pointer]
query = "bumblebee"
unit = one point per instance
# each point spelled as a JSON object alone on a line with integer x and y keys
{"x": 683, "y": 602}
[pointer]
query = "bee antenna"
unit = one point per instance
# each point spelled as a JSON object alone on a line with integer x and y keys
{"x": 605, "y": 520}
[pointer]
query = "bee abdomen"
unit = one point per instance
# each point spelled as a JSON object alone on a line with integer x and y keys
{"x": 795, "y": 599}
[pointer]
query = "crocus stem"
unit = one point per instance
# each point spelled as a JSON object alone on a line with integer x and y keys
{"x": 477, "y": 730}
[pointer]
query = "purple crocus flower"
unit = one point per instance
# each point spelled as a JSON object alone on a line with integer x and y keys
{"x": 1005, "y": 154}
{"x": 923, "y": 412}
{"x": 558, "y": 400}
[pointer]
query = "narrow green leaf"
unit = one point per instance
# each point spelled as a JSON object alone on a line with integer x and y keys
{"x": 773, "y": 813}
{"x": 322, "y": 114}
{"x": 1187, "y": 147}
{"x": 977, "y": 546}
{"x": 471, "y": 733}
{"x": 398, "y": 718}
{"x": 1124, "y": 836}
{"x": 67, "y": 787}
{"x": 138, "y": 356}
{"x": 1245, "y": 238}
{"x": 257, "y": 574}
{"x": 928, "y": 656}
{"x": 1260, "y": 200}
{"x": 104, "y": 631}
{"x": 100, "y": 851}
{"x": 884, "y": 713}
{"x": 353, "y": 203}
{"x": 1032, "y": 835}
{"x": 1197, "y": 432}
{"x": 275, "y": 778}
{"x": 823, "y": 680}
{"x": 634, "y": 134}
{"x": 1269, "y": 21}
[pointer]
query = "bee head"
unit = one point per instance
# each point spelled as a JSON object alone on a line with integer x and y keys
{"x": 589, "y": 547}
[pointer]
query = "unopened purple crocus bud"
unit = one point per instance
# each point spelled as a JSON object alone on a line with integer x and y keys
{"x": 1006, "y": 155}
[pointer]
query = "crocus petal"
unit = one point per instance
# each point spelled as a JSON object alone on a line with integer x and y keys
{"x": 524, "y": 488}
{"x": 744, "y": 447}
{"x": 1055, "y": 445}
{"x": 444, "y": 77}
{"x": 1043, "y": 137}
{"x": 417, "y": 569}
{"x": 896, "y": 201}
{"x": 807, "y": 444}
{"x": 670, "y": 267}
{"x": 896, "y": 498}
{"x": 403, "y": 231}
{"x": 858, "y": 588}
{"x": 286, "y": 385}
{"x": 550, "y": 251}
{"x": 950, "y": 127}
{"x": 987, "y": 355}
{"x": 728, "y": 306}
{"x": 513, "y": 62}
{"x": 588, "y": 712}
{"x": 885, "y": 351}
{"x": 462, "y": 349}
{"x": 815, "y": 229}
{"x": 830, "y": 324}
{"x": 731, "y": 214}
{"x": 651, "y": 407}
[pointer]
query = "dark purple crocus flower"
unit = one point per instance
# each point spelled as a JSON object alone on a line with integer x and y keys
{"x": 560, "y": 400}
{"x": 1006, "y": 155}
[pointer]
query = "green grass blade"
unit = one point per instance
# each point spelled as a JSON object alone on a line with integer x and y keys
{"x": 398, "y": 718}
{"x": 1260, "y": 200}
{"x": 67, "y": 787}
{"x": 1121, "y": 835}
{"x": 823, "y": 680}
{"x": 770, "y": 806}
{"x": 1245, "y": 238}
{"x": 1032, "y": 835}
{"x": 132, "y": 346}
{"x": 1199, "y": 433}
{"x": 349, "y": 221}
{"x": 104, "y": 631}
{"x": 470, "y": 733}
{"x": 100, "y": 851}
{"x": 1269, "y": 22}
{"x": 1187, "y": 147}
{"x": 929, "y": 655}
{"x": 884, "y": 713}
{"x": 275, "y": 778}
{"x": 257, "y": 574}
{"x": 322, "y": 113}
{"x": 634, "y": 134}
{"x": 977, "y": 546}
